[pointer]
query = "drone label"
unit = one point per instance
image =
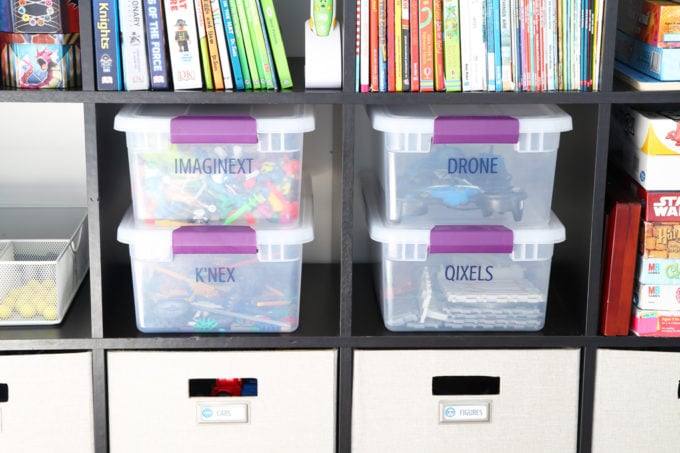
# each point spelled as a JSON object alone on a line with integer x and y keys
{"x": 473, "y": 165}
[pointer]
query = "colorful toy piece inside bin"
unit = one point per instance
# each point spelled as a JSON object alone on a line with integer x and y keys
{"x": 489, "y": 164}
{"x": 460, "y": 277}
{"x": 216, "y": 278}
{"x": 229, "y": 165}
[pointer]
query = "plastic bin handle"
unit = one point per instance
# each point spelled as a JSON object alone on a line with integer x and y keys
{"x": 471, "y": 239}
{"x": 475, "y": 129}
{"x": 213, "y": 240}
{"x": 238, "y": 129}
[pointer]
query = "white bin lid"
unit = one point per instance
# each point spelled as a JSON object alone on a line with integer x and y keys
{"x": 158, "y": 242}
{"x": 420, "y": 119}
{"x": 157, "y": 118}
{"x": 495, "y": 238}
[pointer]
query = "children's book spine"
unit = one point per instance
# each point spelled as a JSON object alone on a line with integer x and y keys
{"x": 255, "y": 77}
{"x": 597, "y": 51}
{"x": 203, "y": 45}
{"x": 506, "y": 45}
{"x": 550, "y": 50}
{"x": 374, "y": 51}
{"x": 357, "y": 48}
{"x": 452, "y": 80}
{"x": 221, "y": 36}
{"x": 156, "y": 45}
{"x": 398, "y": 60}
{"x": 405, "y": 45}
{"x": 426, "y": 46}
{"x": 255, "y": 31}
{"x": 107, "y": 45}
{"x": 487, "y": 25}
{"x": 185, "y": 58}
{"x": 414, "y": 21}
{"x": 498, "y": 50}
{"x": 364, "y": 77}
{"x": 277, "y": 46}
{"x": 438, "y": 30}
{"x": 382, "y": 45}
{"x": 238, "y": 41}
{"x": 267, "y": 46}
{"x": 211, "y": 40}
{"x": 390, "y": 60}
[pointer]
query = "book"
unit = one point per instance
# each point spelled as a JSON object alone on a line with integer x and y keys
{"x": 357, "y": 48}
{"x": 107, "y": 45}
{"x": 255, "y": 75}
{"x": 277, "y": 45}
{"x": 185, "y": 58}
{"x": 133, "y": 45}
{"x": 472, "y": 47}
{"x": 390, "y": 58}
{"x": 204, "y": 53}
{"x": 223, "y": 49}
{"x": 374, "y": 51}
{"x": 622, "y": 224}
{"x": 452, "y": 80}
{"x": 426, "y": 37}
{"x": 267, "y": 46}
{"x": 156, "y": 45}
{"x": 641, "y": 81}
{"x": 406, "y": 44}
{"x": 382, "y": 45}
{"x": 364, "y": 76}
{"x": 230, "y": 6}
{"x": 490, "y": 43}
{"x": 658, "y": 62}
{"x": 414, "y": 21}
{"x": 505, "y": 22}
{"x": 232, "y": 47}
{"x": 398, "y": 60}
{"x": 259, "y": 47}
{"x": 438, "y": 45}
{"x": 498, "y": 66}
{"x": 211, "y": 42}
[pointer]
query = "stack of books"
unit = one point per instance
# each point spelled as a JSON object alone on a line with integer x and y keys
{"x": 189, "y": 44}
{"x": 478, "y": 45}
{"x": 39, "y": 44}
{"x": 648, "y": 44}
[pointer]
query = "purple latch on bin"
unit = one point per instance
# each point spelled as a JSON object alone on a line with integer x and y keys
{"x": 237, "y": 129}
{"x": 475, "y": 129}
{"x": 213, "y": 240}
{"x": 471, "y": 239}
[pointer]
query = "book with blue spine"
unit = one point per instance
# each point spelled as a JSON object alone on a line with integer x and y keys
{"x": 159, "y": 68}
{"x": 241, "y": 46}
{"x": 237, "y": 73}
{"x": 489, "y": 40}
{"x": 107, "y": 45}
{"x": 498, "y": 62}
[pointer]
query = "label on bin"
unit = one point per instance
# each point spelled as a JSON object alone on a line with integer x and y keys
{"x": 240, "y": 129}
{"x": 453, "y": 412}
{"x": 471, "y": 239}
{"x": 214, "y": 239}
{"x": 222, "y": 413}
{"x": 475, "y": 129}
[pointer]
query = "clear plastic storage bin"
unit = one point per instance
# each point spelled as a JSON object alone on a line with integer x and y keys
{"x": 460, "y": 277}
{"x": 217, "y": 278}
{"x": 216, "y": 164}
{"x": 456, "y": 164}
{"x": 43, "y": 260}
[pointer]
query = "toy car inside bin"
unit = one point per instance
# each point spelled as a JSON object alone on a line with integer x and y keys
{"x": 43, "y": 260}
{"x": 460, "y": 277}
{"x": 217, "y": 278}
{"x": 215, "y": 164}
{"x": 461, "y": 164}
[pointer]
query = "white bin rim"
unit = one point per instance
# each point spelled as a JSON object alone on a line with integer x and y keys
{"x": 420, "y": 119}
{"x": 381, "y": 231}
{"x": 155, "y": 118}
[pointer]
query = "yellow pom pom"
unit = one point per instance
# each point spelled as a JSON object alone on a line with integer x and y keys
{"x": 5, "y": 311}
{"x": 50, "y": 312}
{"x": 26, "y": 309}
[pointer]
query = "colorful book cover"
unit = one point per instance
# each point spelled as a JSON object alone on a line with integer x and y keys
{"x": 230, "y": 6}
{"x": 267, "y": 46}
{"x": 255, "y": 76}
{"x": 156, "y": 48}
{"x": 382, "y": 45}
{"x": 204, "y": 52}
{"x": 211, "y": 41}
{"x": 452, "y": 80}
{"x": 257, "y": 39}
{"x": 277, "y": 46}
{"x": 489, "y": 42}
{"x": 406, "y": 45}
{"x": 439, "y": 84}
{"x": 107, "y": 45}
{"x": 223, "y": 50}
{"x": 133, "y": 45}
{"x": 364, "y": 76}
{"x": 374, "y": 51}
{"x": 185, "y": 57}
{"x": 398, "y": 61}
{"x": 506, "y": 45}
{"x": 37, "y": 16}
{"x": 426, "y": 28}
{"x": 391, "y": 55}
